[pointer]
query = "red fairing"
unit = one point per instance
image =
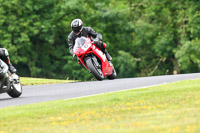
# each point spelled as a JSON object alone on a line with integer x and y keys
{"x": 89, "y": 47}
{"x": 79, "y": 51}
{"x": 106, "y": 68}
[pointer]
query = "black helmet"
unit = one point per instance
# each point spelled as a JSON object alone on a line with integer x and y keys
{"x": 77, "y": 25}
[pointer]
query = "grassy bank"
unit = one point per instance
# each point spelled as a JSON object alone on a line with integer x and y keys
{"x": 171, "y": 108}
{"x": 38, "y": 81}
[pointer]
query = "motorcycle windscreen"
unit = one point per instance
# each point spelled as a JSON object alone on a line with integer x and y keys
{"x": 81, "y": 45}
{"x": 79, "y": 42}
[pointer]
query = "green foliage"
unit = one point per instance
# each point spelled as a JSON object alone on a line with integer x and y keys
{"x": 144, "y": 37}
{"x": 125, "y": 64}
{"x": 189, "y": 55}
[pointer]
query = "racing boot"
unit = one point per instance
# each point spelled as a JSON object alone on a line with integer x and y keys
{"x": 107, "y": 55}
{"x": 12, "y": 68}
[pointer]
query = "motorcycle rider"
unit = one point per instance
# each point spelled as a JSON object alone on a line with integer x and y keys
{"x": 78, "y": 30}
{"x": 4, "y": 56}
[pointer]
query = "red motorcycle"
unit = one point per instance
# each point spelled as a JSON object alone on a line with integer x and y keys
{"x": 93, "y": 59}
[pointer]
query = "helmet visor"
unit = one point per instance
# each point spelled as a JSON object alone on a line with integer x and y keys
{"x": 77, "y": 29}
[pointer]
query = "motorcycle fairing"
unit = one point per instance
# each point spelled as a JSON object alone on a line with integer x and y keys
{"x": 84, "y": 47}
{"x": 106, "y": 68}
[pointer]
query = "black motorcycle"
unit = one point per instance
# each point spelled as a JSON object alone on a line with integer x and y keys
{"x": 9, "y": 83}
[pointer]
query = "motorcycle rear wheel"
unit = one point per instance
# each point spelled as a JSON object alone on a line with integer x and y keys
{"x": 94, "y": 70}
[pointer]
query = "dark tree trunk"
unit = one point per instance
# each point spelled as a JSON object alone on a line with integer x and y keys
{"x": 176, "y": 69}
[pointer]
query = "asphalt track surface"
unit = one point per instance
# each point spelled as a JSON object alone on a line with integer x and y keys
{"x": 43, "y": 93}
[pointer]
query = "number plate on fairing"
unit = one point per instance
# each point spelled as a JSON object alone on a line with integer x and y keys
{"x": 85, "y": 47}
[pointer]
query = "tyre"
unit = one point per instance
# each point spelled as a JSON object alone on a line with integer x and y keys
{"x": 15, "y": 88}
{"x": 97, "y": 72}
{"x": 113, "y": 75}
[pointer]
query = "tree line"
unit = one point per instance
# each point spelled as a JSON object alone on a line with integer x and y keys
{"x": 144, "y": 37}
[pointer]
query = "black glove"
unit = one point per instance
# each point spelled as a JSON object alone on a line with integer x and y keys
{"x": 96, "y": 41}
{"x": 99, "y": 36}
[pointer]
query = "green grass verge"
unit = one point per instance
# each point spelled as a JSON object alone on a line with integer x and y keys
{"x": 39, "y": 81}
{"x": 170, "y": 108}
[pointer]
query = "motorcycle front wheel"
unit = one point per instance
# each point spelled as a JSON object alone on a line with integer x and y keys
{"x": 97, "y": 72}
{"x": 113, "y": 75}
{"x": 15, "y": 88}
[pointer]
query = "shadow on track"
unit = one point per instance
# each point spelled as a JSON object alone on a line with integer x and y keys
{"x": 4, "y": 99}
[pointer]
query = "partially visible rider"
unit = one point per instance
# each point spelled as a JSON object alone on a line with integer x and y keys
{"x": 78, "y": 30}
{"x": 4, "y": 56}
